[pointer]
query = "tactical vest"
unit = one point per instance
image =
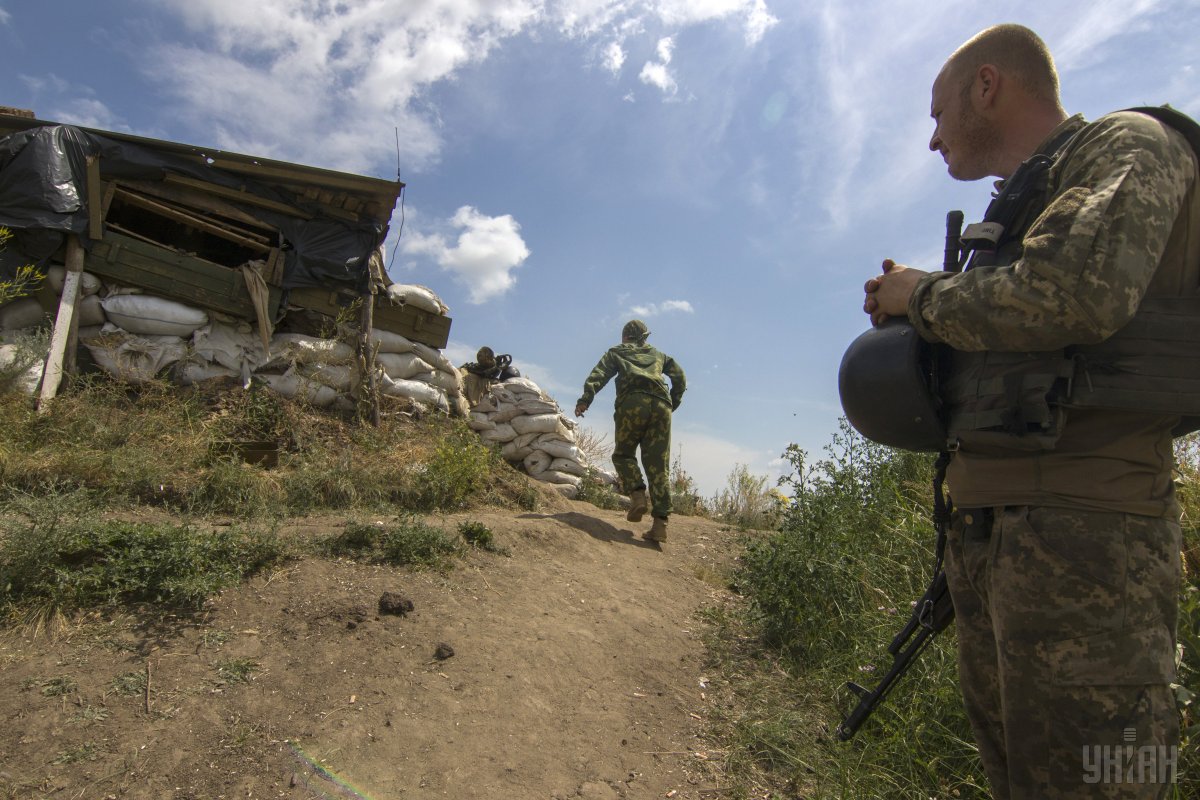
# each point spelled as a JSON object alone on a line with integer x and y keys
{"x": 1006, "y": 401}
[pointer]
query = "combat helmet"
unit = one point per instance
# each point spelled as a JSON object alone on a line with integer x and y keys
{"x": 887, "y": 385}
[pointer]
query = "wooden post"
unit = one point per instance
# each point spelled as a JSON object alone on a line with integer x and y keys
{"x": 367, "y": 352}
{"x": 67, "y": 305}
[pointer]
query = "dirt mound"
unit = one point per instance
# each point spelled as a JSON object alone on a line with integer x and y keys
{"x": 569, "y": 669}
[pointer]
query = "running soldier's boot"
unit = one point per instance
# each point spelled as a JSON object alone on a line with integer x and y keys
{"x": 658, "y": 531}
{"x": 638, "y": 506}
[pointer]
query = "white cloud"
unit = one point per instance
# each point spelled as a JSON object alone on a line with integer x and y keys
{"x": 709, "y": 459}
{"x": 665, "y": 307}
{"x": 613, "y": 58}
{"x": 1101, "y": 21}
{"x": 327, "y": 83}
{"x": 655, "y": 73}
{"x": 484, "y": 255}
{"x": 88, "y": 113}
{"x": 4, "y": 17}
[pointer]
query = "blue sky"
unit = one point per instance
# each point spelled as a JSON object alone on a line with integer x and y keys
{"x": 731, "y": 171}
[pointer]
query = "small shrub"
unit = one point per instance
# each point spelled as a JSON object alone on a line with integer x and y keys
{"x": 598, "y": 493}
{"x": 237, "y": 670}
{"x": 128, "y": 683}
{"x": 408, "y": 542}
{"x": 456, "y": 471}
{"x": 58, "y": 561}
{"x": 479, "y": 535}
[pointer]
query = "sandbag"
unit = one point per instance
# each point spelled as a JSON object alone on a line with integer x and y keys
{"x": 300, "y": 388}
{"x": 480, "y": 422}
{"x": 541, "y": 423}
{"x": 522, "y": 386}
{"x": 537, "y": 462}
{"x": 499, "y": 434}
{"x": 24, "y": 312}
{"x": 341, "y": 377}
{"x": 403, "y": 365}
{"x": 434, "y": 357}
{"x": 538, "y": 405}
{"x": 20, "y": 369}
{"x": 515, "y": 452}
{"x": 506, "y": 412}
{"x": 153, "y": 316}
{"x": 568, "y": 466}
{"x": 389, "y": 342}
{"x": 234, "y": 347}
{"x": 414, "y": 390}
{"x": 554, "y": 476}
{"x": 90, "y": 312}
{"x": 565, "y": 489}
{"x": 417, "y": 296}
{"x": 56, "y": 276}
{"x": 134, "y": 359}
{"x": 191, "y": 372}
{"x": 560, "y": 449}
{"x": 447, "y": 382}
{"x": 300, "y": 349}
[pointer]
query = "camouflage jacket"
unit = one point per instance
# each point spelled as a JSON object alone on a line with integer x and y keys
{"x": 1088, "y": 259}
{"x": 639, "y": 368}
{"x": 1121, "y": 206}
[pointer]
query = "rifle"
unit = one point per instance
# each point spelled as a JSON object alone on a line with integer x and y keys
{"x": 933, "y": 613}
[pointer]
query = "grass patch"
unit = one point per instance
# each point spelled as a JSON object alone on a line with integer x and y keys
{"x": 56, "y": 558}
{"x": 58, "y": 687}
{"x": 406, "y": 542}
{"x": 128, "y": 684}
{"x": 237, "y": 670}
{"x": 479, "y": 535}
{"x": 820, "y": 599}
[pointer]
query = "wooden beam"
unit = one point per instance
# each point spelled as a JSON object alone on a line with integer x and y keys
{"x": 197, "y": 199}
{"x": 239, "y": 196}
{"x": 253, "y": 241}
{"x": 95, "y": 199}
{"x": 52, "y": 376}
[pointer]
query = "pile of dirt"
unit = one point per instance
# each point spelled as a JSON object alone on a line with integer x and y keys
{"x": 569, "y": 668}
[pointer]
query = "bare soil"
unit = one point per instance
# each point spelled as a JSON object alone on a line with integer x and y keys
{"x": 570, "y": 668}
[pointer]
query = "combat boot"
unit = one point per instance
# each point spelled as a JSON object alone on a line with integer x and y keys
{"x": 658, "y": 531}
{"x": 639, "y": 504}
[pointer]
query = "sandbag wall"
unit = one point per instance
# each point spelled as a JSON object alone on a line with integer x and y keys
{"x": 532, "y": 432}
{"x": 135, "y": 337}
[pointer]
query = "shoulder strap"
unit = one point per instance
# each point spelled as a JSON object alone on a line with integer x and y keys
{"x": 1174, "y": 119}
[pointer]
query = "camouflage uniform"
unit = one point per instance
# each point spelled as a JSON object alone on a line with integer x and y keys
{"x": 642, "y": 415}
{"x": 1064, "y": 564}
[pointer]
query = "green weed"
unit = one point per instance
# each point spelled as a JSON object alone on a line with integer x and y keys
{"x": 479, "y": 535}
{"x": 56, "y": 559}
{"x": 128, "y": 684}
{"x": 408, "y": 542}
{"x": 57, "y": 687}
{"x": 237, "y": 670}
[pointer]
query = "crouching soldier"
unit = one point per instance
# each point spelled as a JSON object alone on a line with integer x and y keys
{"x": 643, "y": 419}
{"x": 486, "y": 369}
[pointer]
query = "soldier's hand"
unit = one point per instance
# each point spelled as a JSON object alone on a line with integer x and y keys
{"x": 888, "y": 294}
{"x": 580, "y": 408}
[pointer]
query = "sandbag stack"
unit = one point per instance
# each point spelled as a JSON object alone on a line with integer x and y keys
{"x": 136, "y": 336}
{"x": 532, "y": 432}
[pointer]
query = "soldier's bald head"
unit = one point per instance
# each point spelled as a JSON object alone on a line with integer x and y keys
{"x": 1016, "y": 51}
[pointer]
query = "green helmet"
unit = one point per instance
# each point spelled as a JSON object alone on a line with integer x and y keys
{"x": 885, "y": 385}
{"x": 635, "y": 331}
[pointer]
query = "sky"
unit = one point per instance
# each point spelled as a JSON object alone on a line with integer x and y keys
{"x": 729, "y": 171}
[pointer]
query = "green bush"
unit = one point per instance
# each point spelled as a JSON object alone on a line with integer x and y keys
{"x": 829, "y": 590}
{"x": 455, "y": 472}
{"x": 408, "y": 542}
{"x": 57, "y": 557}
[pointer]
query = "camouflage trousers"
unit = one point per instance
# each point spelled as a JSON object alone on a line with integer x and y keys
{"x": 1066, "y": 630}
{"x": 644, "y": 421}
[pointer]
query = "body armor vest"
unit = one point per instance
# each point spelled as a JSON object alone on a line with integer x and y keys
{"x": 1018, "y": 400}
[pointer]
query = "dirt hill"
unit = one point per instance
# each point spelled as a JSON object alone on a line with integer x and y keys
{"x": 576, "y": 673}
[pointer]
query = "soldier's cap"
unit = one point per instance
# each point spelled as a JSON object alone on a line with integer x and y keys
{"x": 635, "y": 331}
{"x": 486, "y": 357}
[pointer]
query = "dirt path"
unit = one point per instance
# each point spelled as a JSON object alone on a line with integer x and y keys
{"x": 577, "y": 673}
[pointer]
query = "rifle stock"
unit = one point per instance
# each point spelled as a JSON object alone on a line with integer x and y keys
{"x": 933, "y": 613}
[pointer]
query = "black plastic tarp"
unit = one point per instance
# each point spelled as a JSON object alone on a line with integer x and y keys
{"x": 43, "y": 195}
